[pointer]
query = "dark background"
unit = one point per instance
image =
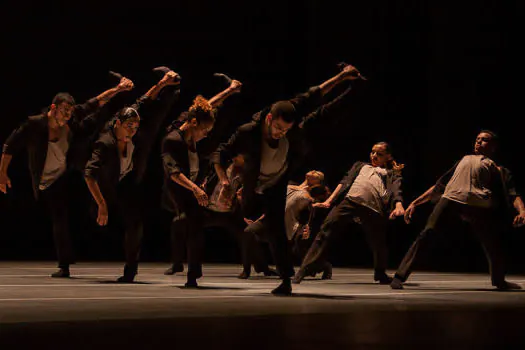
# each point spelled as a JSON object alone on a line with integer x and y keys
{"x": 438, "y": 73}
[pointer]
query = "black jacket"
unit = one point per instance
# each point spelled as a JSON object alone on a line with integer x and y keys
{"x": 104, "y": 165}
{"x": 393, "y": 185}
{"x": 247, "y": 140}
{"x": 33, "y": 134}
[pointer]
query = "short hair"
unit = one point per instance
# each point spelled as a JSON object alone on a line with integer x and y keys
{"x": 63, "y": 97}
{"x": 392, "y": 164}
{"x": 493, "y": 135}
{"x": 284, "y": 110}
{"x": 201, "y": 110}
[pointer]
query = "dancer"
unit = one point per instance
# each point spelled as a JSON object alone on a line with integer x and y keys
{"x": 479, "y": 192}
{"x": 117, "y": 165}
{"x": 298, "y": 215}
{"x": 56, "y": 141}
{"x": 182, "y": 195}
{"x": 273, "y": 148}
{"x": 370, "y": 194}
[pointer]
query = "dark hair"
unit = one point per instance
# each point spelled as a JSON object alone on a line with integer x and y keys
{"x": 493, "y": 135}
{"x": 201, "y": 110}
{"x": 392, "y": 164}
{"x": 127, "y": 113}
{"x": 319, "y": 193}
{"x": 284, "y": 110}
{"x": 62, "y": 97}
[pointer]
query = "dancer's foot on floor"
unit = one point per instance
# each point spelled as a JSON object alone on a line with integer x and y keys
{"x": 284, "y": 289}
{"x": 61, "y": 273}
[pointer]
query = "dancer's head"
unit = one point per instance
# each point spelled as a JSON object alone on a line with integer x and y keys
{"x": 314, "y": 178}
{"x": 280, "y": 119}
{"x": 200, "y": 118}
{"x": 127, "y": 123}
{"x": 486, "y": 143}
{"x": 61, "y": 108}
{"x": 381, "y": 156}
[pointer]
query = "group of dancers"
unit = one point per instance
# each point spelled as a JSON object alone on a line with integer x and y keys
{"x": 243, "y": 183}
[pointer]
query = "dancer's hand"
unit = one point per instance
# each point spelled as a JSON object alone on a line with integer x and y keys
{"x": 235, "y": 86}
{"x": 125, "y": 84}
{"x": 5, "y": 182}
{"x": 398, "y": 211}
{"x": 102, "y": 218}
{"x": 519, "y": 220}
{"x": 409, "y": 212}
{"x": 200, "y": 195}
{"x": 170, "y": 78}
{"x": 351, "y": 73}
{"x": 325, "y": 204}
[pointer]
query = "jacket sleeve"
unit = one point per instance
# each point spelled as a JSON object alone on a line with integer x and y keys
{"x": 97, "y": 161}
{"x": 306, "y": 102}
{"x": 18, "y": 138}
{"x": 327, "y": 111}
{"x": 397, "y": 189}
{"x": 510, "y": 184}
{"x": 228, "y": 150}
{"x": 172, "y": 148}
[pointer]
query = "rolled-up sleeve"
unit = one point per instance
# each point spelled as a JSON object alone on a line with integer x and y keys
{"x": 18, "y": 139}
{"x": 172, "y": 149}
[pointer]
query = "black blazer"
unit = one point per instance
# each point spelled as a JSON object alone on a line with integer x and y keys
{"x": 33, "y": 134}
{"x": 247, "y": 140}
{"x": 104, "y": 165}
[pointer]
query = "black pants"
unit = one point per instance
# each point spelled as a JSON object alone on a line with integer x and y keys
{"x": 125, "y": 212}
{"x": 230, "y": 221}
{"x": 272, "y": 205}
{"x": 337, "y": 221}
{"x": 56, "y": 199}
{"x": 483, "y": 223}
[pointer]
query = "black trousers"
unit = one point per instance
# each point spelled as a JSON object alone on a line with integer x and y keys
{"x": 272, "y": 205}
{"x": 338, "y": 221}
{"x": 125, "y": 212}
{"x": 187, "y": 235}
{"x": 56, "y": 200}
{"x": 230, "y": 221}
{"x": 484, "y": 223}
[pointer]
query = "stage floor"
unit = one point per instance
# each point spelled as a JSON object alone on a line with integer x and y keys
{"x": 437, "y": 310}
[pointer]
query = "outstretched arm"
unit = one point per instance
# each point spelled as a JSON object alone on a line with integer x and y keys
{"x": 425, "y": 197}
{"x": 218, "y": 99}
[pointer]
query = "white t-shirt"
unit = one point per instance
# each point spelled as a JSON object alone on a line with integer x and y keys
{"x": 369, "y": 189}
{"x": 126, "y": 163}
{"x": 471, "y": 180}
{"x": 194, "y": 165}
{"x": 273, "y": 164}
{"x": 55, "y": 164}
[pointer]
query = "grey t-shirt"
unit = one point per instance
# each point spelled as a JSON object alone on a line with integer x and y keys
{"x": 222, "y": 200}
{"x": 273, "y": 164}
{"x": 55, "y": 164}
{"x": 471, "y": 180}
{"x": 369, "y": 188}
{"x": 296, "y": 201}
{"x": 126, "y": 163}
{"x": 194, "y": 165}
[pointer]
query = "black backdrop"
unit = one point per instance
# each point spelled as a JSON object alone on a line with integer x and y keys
{"x": 438, "y": 73}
